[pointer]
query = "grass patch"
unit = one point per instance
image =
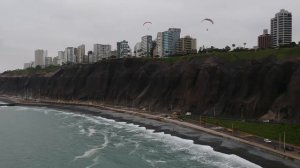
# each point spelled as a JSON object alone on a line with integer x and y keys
{"x": 265, "y": 130}
{"x": 281, "y": 53}
{"x": 31, "y": 71}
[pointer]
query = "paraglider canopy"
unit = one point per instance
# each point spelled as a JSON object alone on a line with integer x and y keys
{"x": 209, "y": 20}
{"x": 145, "y": 23}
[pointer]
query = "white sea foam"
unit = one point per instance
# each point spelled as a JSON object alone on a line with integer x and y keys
{"x": 82, "y": 131}
{"x": 95, "y": 162}
{"x": 136, "y": 146}
{"x": 22, "y": 108}
{"x": 46, "y": 112}
{"x": 91, "y": 152}
{"x": 106, "y": 119}
{"x": 200, "y": 153}
{"x": 91, "y": 132}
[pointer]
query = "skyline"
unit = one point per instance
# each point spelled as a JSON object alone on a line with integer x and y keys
{"x": 54, "y": 25}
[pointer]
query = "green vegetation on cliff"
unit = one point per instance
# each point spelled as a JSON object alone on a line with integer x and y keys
{"x": 31, "y": 71}
{"x": 280, "y": 53}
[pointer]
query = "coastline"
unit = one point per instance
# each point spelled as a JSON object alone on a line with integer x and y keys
{"x": 220, "y": 142}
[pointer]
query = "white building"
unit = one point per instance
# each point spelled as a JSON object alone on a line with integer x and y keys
{"x": 281, "y": 28}
{"x": 40, "y": 57}
{"x": 123, "y": 49}
{"x": 62, "y": 59}
{"x": 101, "y": 52}
{"x": 159, "y": 44}
{"x": 146, "y": 45}
{"x": 138, "y": 50}
{"x": 80, "y": 53}
{"x": 29, "y": 65}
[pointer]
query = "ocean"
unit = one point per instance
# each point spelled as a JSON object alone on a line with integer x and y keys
{"x": 36, "y": 137}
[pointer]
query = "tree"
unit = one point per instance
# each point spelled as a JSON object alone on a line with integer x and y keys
{"x": 233, "y": 46}
{"x": 38, "y": 67}
{"x": 227, "y": 48}
{"x": 293, "y": 44}
{"x": 245, "y": 45}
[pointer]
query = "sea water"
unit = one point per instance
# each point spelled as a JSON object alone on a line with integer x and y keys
{"x": 47, "y": 138}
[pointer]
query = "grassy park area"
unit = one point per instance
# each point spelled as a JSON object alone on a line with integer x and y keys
{"x": 265, "y": 130}
{"x": 280, "y": 53}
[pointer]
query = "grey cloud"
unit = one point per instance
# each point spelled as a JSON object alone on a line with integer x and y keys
{"x": 55, "y": 24}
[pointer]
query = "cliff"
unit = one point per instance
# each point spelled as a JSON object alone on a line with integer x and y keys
{"x": 251, "y": 88}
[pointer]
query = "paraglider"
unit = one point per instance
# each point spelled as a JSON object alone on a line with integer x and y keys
{"x": 147, "y": 25}
{"x": 208, "y": 20}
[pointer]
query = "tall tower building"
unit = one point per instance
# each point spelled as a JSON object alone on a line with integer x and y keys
{"x": 123, "y": 49}
{"x": 70, "y": 54}
{"x": 281, "y": 28}
{"x": 80, "y": 53}
{"x": 62, "y": 59}
{"x": 40, "y": 56}
{"x": 159, "y": 44}
{"x": 146, "y": 45}
{"x": 170, "y": 39}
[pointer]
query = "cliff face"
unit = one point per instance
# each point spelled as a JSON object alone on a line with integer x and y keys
{"x": 247, "y": 88}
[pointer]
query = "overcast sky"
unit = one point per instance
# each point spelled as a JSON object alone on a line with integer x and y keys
{"x": 53, "y": 25}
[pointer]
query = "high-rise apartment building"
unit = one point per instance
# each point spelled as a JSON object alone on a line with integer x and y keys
{"x": 170, "y": 39}
{"x": 101, "y": 52}
{"x": 80, "y": 53}
{"x": 62, "y": 59}
{"x": 123, "y": 49}
{"x": 48, "y": 61}
{"x": 186, "y": 45}
{"x": 146, "y": 45}
{"x": 159, "y": 44}
{"x": 265, "y": 40}
{"x": 70, "y": 54}
{"x": 281, "y": 28}
{"x": 40, "y": 56}
{"x": 138, "y": 49}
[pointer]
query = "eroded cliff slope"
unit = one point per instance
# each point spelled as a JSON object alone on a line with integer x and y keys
{"x": 201, "y": 85}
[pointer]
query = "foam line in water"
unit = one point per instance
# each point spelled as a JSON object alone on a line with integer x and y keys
{"x": 202, "y": 153}
{"x": 95, "y": 162}
{"x": 91, "y": 152}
